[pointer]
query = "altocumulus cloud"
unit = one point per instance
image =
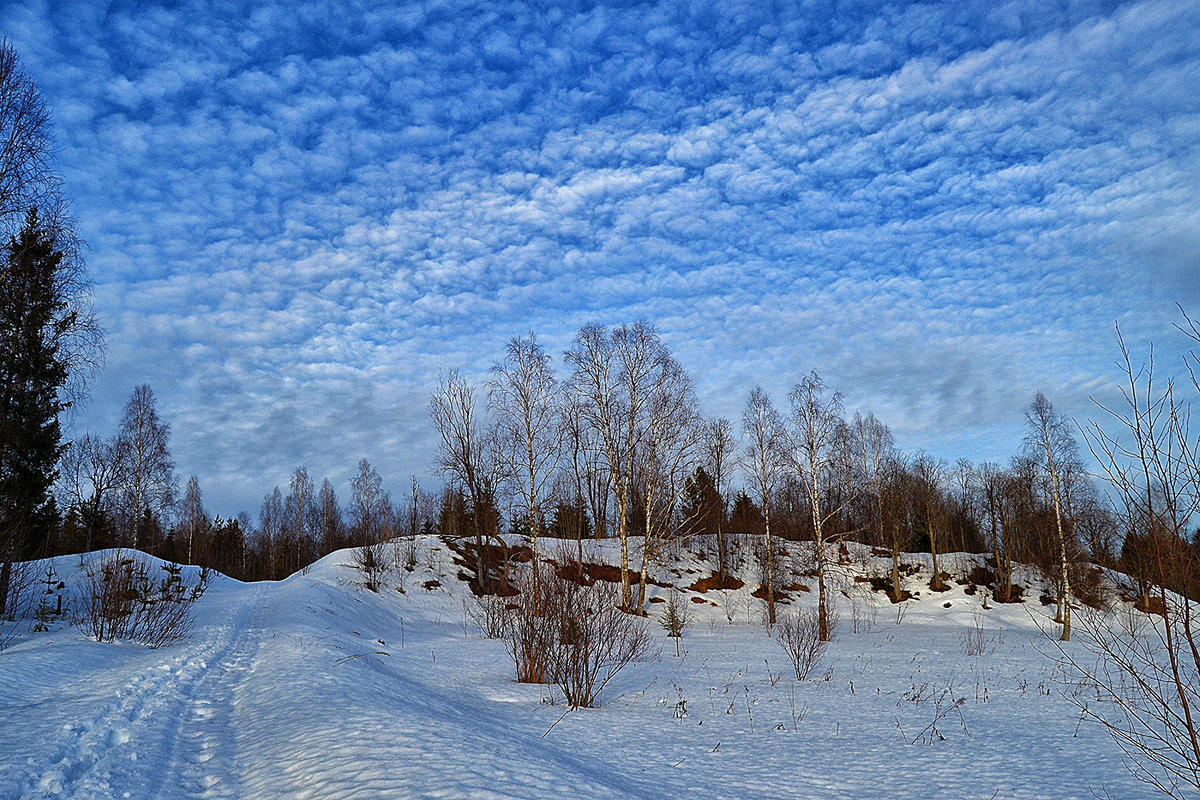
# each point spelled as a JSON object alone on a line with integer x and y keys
{"x": 301, "y": 212}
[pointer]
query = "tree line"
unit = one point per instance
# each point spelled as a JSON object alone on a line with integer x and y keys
{"x": 616, "y": 445}
{"x": 122, "y": 491}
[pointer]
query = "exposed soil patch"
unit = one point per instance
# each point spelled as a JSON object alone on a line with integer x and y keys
{"x": 1155, "y": 606}
{"x": 496, "y": 568}
{"x": 589, "y": 572}
{"x": 716, "y": 582}
{"x": 783, "y": 594}
{"x": 980, "y": 576}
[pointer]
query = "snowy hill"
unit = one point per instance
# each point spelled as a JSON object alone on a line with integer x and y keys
{"x": 317, "y": 687}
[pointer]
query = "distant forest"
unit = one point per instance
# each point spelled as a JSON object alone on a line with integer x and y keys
{"x": 616, "y": 446}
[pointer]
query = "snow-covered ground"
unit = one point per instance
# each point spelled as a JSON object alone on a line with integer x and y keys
{"x": 315, "y": 687}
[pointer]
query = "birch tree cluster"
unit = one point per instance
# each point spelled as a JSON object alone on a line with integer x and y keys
{"x": 609, "y": 442}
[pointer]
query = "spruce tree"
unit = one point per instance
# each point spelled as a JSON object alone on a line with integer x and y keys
{"x": 35, "y": 321}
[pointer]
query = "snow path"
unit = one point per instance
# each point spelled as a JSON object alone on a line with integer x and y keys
{"x": 167, "y": 731}
{"x": 203, "y": 760}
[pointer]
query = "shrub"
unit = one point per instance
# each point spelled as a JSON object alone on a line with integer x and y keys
{"x": 675, "y": 618}
{"x": 593, "y": 641}
{"x": 488, "y": 612}
{"x": 370, "y": 560}
{"x": 528, "y": 626}
{"x": 976, "y": 641}
{"x": 18, "y": 600}
{"x": 120, "y": 600}
{"x": 799, "y": 635}
{"x": 573, "y": 635}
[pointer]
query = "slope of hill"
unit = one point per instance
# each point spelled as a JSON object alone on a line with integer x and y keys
{"x": 317, "y": 687}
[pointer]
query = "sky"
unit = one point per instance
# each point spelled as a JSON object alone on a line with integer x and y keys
{"x": 301, "y": 213}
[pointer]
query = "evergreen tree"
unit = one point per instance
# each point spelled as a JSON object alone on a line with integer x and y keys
{"x": 570, "y": 521}
{"x": 702, "y": 505}
{"x": 746, "y": 517}
{"x": 35, "y": 319}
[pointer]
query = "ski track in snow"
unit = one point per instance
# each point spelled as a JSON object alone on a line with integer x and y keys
{"x": 179, "y": 710}
{"x": 204, "y": 761}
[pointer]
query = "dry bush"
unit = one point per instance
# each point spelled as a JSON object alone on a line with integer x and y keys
{"x": 371, "y": 561}
{"x": 119, "y": 599}
{"x": 864, "y": 613}
{"x": 19, "y": 601}
{"x": 594, "y": 641}
{"x": 406, "y": 553}
{"x": 976, "y": 641}
{"x": 528, "y": 625}
{"x": 488, "y": 612}
{"x": 573, "y": 635}
{"x": 799, "y": 635}
{"x": 1149, "y": 678}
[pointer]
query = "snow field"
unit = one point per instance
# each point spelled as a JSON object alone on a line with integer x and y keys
{"x": 315, "y": 687}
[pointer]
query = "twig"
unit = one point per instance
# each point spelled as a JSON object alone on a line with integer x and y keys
{"x": 560, "y": 719}
{"x": 344, "y": 659}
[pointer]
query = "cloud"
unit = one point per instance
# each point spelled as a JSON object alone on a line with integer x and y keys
{"x": 298, "y": 219}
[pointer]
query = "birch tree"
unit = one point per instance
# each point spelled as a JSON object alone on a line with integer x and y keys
{"x": 581, "y": 457}
{"x": 615, "y": 374}
{"x": 330, "y": 518}
{"x": 149, "y": 471}
{"x": 93, "y": 468}
{"x": 193, "y": 516}
{"x": 929, "y": 481}
{"x": 763, "y": 462}
{"x": 270, "y": 525}
{"x": 370, "y": 505}
{"x": 526, "y": 403}
{"x": 999, "y": 530}
{"x": 465, "y": 453}
{"x": 300, "y": 518}
{"x": 875, "y": 449}
{"x": 814, "y": 424}
{"x": 668, "y": 445}
{"x": 720, "y": 451}
{"x": 1050, "y": 436}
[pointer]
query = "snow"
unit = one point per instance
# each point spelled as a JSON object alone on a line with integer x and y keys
{"x": 316, "y": 687}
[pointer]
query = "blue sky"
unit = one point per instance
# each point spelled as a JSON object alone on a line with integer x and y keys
{"x": 300, "y": 212}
